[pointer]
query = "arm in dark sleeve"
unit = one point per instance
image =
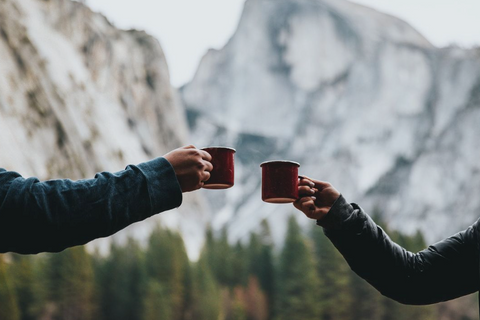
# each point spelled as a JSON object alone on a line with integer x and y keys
{"x": 53, "y": 215}
{"x": 444, "y": 271}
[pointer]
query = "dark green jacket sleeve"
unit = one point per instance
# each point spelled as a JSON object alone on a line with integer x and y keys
{"x": 56, "y": 214}
{"x": 444, "y": 271}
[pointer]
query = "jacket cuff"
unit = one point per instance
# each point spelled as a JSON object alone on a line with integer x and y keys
{"x": 340, "y": 211}
{"x": 163, "y": 187}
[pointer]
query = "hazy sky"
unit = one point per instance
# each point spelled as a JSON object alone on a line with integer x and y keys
{"x": 187, "y": 28}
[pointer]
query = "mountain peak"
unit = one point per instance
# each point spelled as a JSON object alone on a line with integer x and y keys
{"x": 358, "y": 97}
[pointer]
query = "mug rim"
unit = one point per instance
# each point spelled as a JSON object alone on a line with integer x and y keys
{"x": 219, "y": 147}
{"x": 280, "y": 161}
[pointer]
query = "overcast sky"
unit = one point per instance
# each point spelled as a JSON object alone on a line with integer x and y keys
{"x": 187, "y": 28}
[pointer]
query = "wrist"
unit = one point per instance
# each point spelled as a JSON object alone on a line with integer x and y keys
{"x": 338, "y": 213}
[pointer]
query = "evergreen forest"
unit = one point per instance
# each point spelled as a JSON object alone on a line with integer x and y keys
{"x": 305, "y": 279}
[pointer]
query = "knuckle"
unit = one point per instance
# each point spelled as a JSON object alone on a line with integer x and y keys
{"x": 194, "y": 153}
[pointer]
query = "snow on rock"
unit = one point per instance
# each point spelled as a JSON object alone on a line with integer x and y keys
{"x": 359, "y": 98}
{"x": 78, "y": 96}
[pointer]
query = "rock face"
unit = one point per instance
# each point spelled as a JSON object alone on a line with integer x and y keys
{"x": 78, "y": 96}
{"x": 359, "y": 98}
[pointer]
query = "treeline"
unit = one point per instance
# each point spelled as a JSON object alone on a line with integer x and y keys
{"x": 306, "y": 279}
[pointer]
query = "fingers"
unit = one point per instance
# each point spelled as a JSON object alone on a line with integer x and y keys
{"x": 201, "y": 157}
{"x": 300, "y": 203}
{"x": 202, "y": 153}
{"x": 314, "y": 184}
{"x": 305, "y": 191}
{"x": 199, "y": 180}
{"x": 205, "y": 163}
{"x": 304, "y": 181}
{"x": 306, "y": 187}
{"x": 208, "y": 166}
{"x": 307, "y": 206}
{"x": 205, "y": 155}
{"x": 321, "y": 184}
{"x": 191, "y": 165}
{"x": 205, "y": 176}
{"x": 205, "y": 168}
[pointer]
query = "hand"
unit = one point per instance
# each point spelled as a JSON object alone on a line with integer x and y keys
{"x": 192, "y": 167}
{"x": 315, "y": 198}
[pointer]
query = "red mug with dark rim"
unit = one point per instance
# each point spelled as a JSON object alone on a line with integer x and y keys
{"x": 222, "y": 175}
{"x": 280, "y": 181}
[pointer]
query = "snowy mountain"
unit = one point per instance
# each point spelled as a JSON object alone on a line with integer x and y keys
{"x": 357, "y": 97}
{"x": 78, "y": 96}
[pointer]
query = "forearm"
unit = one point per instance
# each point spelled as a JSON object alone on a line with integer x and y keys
{"x": 53, "y": 215}
{"x": 444, "y": 271}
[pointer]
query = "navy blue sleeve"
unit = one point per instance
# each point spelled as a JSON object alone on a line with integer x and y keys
{"x": 56, "y": 214}
{"x": 443, "y": 271}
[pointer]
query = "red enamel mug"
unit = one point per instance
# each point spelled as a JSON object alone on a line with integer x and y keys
{"x": 222, "y": 175}
{"x": 279, "y": 181}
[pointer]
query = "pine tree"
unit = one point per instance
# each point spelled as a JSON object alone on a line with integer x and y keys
{"x": 261, "y": 262}
{"x": 71, "y": 284}
{"x": 298, "y": 280}
{"x": 224, "y": 260}
{"x": 167, "y": 262}
{"x": 205, "y": 291}
{"x": 43, "y": 307}
{"x": 239, "y": 265}
{"x": 254, "y": 251}
{"x": 209, "y": 251}
{"x": 255, "y": 300}
{"x": 122, "y": 282}
{"x": 233, "y": 304}
{"x": 228, "y": 264}
{"x": 8, "y": 300}
{"x": 334, "y": 295}
{"x": 266, "y": 274}
{"x": 218, "y": 256}
{"x": 157, "y": 303}
{"x": 22, "y": 275}
{"x": 238, "y": 311}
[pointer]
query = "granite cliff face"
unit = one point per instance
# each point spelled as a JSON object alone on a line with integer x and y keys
{"x": 78, "y": 96}
{"x": 359, "y": 98}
